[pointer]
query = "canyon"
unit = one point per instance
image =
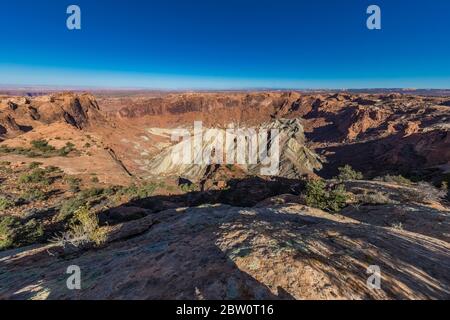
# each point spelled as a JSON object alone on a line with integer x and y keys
{"x": 173, "y": 230}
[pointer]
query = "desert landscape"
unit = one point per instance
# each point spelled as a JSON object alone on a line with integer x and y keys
{"x": 88, "y": 179}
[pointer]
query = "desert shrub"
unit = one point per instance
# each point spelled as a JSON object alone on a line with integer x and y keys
{"x": 445, "y": 189}
{"x": 95, "y": 180}
{"x": 53, "y": 169}
{"x": 42, "y": 145}
{"x": 33, "y": 152}
{"x": 397, "y": 225}
{"x": 139, "y": 192}
{"x": 34, "y": 195}
{"x": 15, "y": 233}
{"x": 321, "y": 197}
{"x": 110, "y": 191}
{"x": 34, "y": 165}
{"x": 316, "y": 194}
{"x": 36, "y": 176}
{"x": 146, "y": 190}
{"x": 83, "y": 199}
{"x": 445, "y": 183}
{"x": 8, "y": 225}
{"x": 186, "y": 188}
{"x": 26, "y": 152}
{"x": 69, "y": 207}
{"x": 68, "y": 148}
{"x": 6, "y": 149}
{"x": 92, "y": 192}
{"x": 40, "y": 148}
{"x": 130, "y": 191}
{"x": 422, "y": 192}
{"x": 395, "y": 179}
{"x": 85, "y": 228}
{"x": 73, "y": 183}
{"x": 374, "y": 197}
{"x": 347, "y": 173}
{"x": 5, "y": 203}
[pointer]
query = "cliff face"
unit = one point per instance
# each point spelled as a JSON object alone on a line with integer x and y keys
{"x": 213, "y": 108}
{"x": 375, "y": 133}
{"x": 291, "y": 158}
{"x": 19, "y": 115}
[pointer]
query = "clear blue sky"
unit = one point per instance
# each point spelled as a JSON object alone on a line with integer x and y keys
{"x": 222, "y": 44}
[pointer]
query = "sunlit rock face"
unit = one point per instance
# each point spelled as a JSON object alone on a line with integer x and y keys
{"x": 283, "y": 143}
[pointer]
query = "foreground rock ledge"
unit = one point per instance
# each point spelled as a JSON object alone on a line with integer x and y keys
{"x": 221, "y": 252}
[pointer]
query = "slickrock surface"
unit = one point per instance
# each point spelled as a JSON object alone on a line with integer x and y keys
{"x": 223, "y": 252}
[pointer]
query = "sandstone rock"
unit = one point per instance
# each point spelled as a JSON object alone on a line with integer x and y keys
{"x": 126, "y": 213}
{"x": 222, "y": 252}
{"x": 280, "y": 200}
{"x": 295, "y": 159}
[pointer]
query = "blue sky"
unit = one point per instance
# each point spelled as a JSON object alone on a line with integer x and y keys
{"x": 226, "y": 44}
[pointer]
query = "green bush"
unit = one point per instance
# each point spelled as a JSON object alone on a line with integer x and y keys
{"x": 14, "y": 233}
{"x": 92, "y": 192}
{"x": 321, "y": 197}
{"x": 147, "y": 190}
{"x": 68, "y": 148}
{"x": 69, "y": 207}
{"x": 5, "y": 203}
{"x": 85, "y": 227}
{"x": 140, "y": 192}
{"x": 20, "y": 151}
{"x": 36, "y": 176}
{"x": 40, "y": 148}
{"x": 445, "y": 185}
{"x": 95, "y": 180}
{"x": 395, "y": 179}
{"x": 34, "y": 165}
{"x": 347, "y": 173}
{"x": 34, "y": 195}
{"x": 374, "y": 197}
{"x": 74, "y": 183}
{"x": 83, "y": 199}
{"x": 187, "y": 188}
{"x": 53, "y": 169}
{"x": 42, "y": 145}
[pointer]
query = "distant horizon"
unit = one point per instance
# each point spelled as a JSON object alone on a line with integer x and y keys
{"x": 83, "y": 88}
